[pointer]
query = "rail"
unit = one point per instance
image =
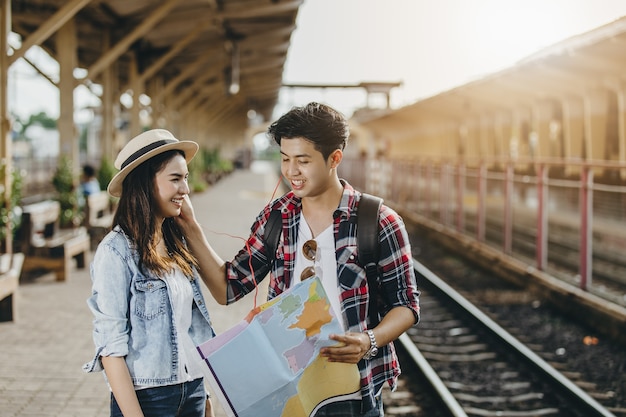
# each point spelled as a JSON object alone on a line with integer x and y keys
{"x": 543, "y": 196}
{"x": 576, "y": 398}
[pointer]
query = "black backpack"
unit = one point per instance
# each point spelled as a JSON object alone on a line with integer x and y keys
{"x": 368, "y": 244}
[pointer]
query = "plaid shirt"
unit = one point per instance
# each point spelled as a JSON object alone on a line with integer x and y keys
{"x": 396, "y": 275}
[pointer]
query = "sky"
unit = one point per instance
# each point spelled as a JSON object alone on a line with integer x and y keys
{"x": 430, "y": 46}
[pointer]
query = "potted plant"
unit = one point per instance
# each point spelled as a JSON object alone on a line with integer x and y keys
{"x": 10, "y": 214}
{"x": 63, "y": 182}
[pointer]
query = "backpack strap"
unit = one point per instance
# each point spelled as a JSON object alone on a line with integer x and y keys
{"x": 368, "y": 246}
{"x": 273, "y": 229}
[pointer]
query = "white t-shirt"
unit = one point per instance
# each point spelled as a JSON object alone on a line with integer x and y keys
{"x": 325, "y": 263}
{"x": 181, "y": 294}
{"x": 326, "y": 270}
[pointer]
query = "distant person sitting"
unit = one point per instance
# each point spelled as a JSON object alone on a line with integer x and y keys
{"x": 89, "y": 184}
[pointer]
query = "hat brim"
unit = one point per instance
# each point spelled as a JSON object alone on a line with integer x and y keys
{"x": 189, "y": 148}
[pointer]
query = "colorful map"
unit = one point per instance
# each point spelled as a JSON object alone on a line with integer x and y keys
{"x": 269, "y": 365}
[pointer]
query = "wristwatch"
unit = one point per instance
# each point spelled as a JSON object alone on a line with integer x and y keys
{"x": 373, "y": 350}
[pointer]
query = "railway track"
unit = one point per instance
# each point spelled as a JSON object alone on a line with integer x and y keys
{"x": 476, "y": 368}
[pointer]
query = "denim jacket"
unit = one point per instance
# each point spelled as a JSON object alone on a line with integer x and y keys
{"x": 133, "y": 314}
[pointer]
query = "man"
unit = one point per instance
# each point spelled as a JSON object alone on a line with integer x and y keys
{"x": 319, "y": 238}
{"x": 88, "y": 182}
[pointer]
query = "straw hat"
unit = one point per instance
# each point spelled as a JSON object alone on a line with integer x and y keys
{"x": 143, "y": 147}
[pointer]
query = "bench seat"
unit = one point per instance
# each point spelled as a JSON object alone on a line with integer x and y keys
{"x": 10, "y": 270}
{"x": 98, "y": 217}
{"x": 47, "y": 247}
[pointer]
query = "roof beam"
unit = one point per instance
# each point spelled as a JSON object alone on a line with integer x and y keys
{"x": 43, "y": 74}
{"x": 246, "y": 12}
{"x": 222, "y": 109}
{"x": 259, "y": 65}
{"x": 204, "y": 94}
{"x": 264, "y": 38}
{"x": 173, "y": 51}
{"x": 46, "y": 30}
{"x": 122, "y": 46}
{"x": 189, "y": 71}
{"x": 197, "y": 84}
{"x": 588, "y": 65}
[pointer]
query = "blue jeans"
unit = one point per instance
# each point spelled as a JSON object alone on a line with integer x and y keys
{"x": 350, "y": 409}
{"x": 180, "y": 400}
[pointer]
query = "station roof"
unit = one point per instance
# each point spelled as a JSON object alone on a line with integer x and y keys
{"x": 194, "y": 49}
{"x": 571, "y": 69}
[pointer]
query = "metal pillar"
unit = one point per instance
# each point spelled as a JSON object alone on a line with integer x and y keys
{"x": 482, "y": 202}
{"x": 508, "y": 209}
{"x": 460, "y": 196}
{"x": 541, "y": 249}
{"x": 586, "y": 227}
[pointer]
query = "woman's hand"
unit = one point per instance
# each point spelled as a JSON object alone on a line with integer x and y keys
{"x": 186, "y": 211}
{"x": 186, "y": 220}
{"x": 209, "y": 409}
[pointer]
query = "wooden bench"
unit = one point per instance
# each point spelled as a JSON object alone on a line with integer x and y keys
{"x": 47, "y": 247}
{"x": 10, "y": 270}
{"x": 98, "y": 217}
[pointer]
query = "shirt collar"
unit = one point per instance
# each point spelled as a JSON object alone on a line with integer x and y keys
{"x": 348, "y": 200}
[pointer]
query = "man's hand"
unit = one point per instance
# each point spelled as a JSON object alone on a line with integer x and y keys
{"x": 351, "y": 348}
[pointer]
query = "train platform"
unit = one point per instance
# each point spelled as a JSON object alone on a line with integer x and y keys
{"x": 43, "y": 350}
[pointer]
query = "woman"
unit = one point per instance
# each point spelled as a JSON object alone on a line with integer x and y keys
{"x": 149, "y": 312}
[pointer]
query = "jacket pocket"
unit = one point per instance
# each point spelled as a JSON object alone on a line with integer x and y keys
{"x": 151, "y": 298}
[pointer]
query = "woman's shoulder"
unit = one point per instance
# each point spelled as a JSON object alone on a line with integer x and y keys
{"x": 117, "y": 241}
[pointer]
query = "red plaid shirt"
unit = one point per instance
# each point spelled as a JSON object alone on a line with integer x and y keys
{"x": 396, "y": 274}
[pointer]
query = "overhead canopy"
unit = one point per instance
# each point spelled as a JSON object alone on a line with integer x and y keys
{"x": 572, "y": 70}
{"x": 223, "y": 57}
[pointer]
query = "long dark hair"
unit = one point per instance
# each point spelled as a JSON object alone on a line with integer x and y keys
{"x": 135, "y": 215}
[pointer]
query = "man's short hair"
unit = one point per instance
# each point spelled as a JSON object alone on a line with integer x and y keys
{"x": 324, "y": 126}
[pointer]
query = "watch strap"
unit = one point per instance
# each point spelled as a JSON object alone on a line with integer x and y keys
{"x": 373, "y": 350}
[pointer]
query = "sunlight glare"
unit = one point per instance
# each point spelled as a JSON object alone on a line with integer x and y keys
{"x": 510, "y": 31}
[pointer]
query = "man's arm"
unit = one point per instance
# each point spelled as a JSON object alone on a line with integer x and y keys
{"x": 210, "y": 266}
{"x": 398, "y": 282}
{"x": 353, "y": 346}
